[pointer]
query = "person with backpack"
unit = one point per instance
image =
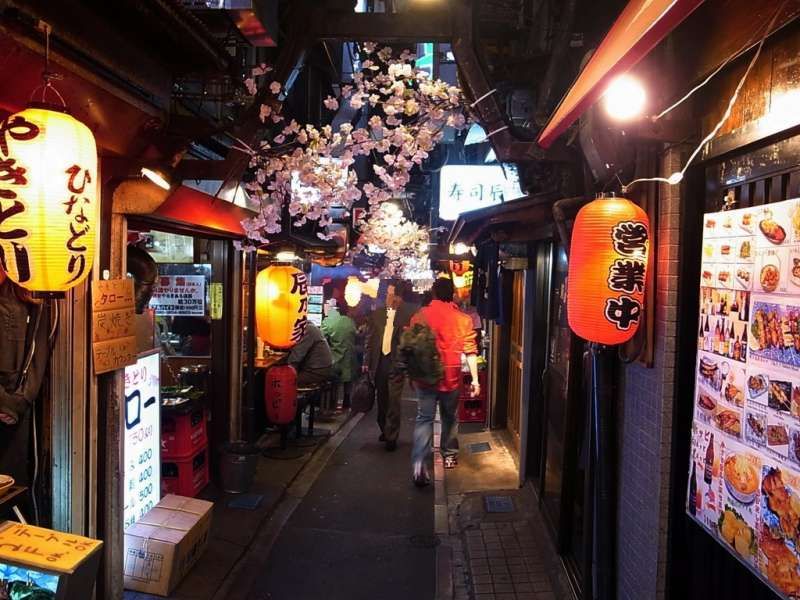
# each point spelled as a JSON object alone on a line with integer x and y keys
{"x": 437, "y": 381}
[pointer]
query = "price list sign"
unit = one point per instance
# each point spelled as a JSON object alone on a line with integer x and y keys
{"x": 142, "y": 437}
{"x": 113, "y": 335}
{"x": 744, "y": 473}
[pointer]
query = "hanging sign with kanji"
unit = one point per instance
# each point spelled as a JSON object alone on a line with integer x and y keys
{"x": 113, "y": 334}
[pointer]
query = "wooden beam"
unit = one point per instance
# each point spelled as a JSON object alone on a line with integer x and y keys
{"x": 412, "y": 26}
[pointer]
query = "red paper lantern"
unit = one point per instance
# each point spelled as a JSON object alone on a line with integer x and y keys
{"x": 460, "y": 267}
{"x": 280, "y": 394}
{"x": 608, "y": 270}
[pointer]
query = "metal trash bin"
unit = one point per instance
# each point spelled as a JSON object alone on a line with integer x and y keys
{"x": 238, "y": 466}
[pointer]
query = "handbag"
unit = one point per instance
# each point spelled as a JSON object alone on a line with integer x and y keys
{"x": 362, "y": 397}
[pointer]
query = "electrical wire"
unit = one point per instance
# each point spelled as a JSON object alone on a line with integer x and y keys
{"x": 677, "y": 177}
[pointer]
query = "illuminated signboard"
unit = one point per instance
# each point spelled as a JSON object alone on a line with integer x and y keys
{"x": 142, "y": 437}
{"x": 469, "y": 187}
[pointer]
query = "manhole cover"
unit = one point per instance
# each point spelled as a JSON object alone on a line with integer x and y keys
{"x": 499, "y": 504}
{"x": 424, "y": 541}
{"x": 480, "y": 447}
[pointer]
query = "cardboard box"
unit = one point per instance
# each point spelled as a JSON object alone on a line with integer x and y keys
{"x": 162, "y": 546}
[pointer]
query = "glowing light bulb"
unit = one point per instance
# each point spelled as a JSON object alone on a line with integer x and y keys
{"x": 624, "y": 99}
{"x": 156, "y": 177}
{"x": 675, "y": 178}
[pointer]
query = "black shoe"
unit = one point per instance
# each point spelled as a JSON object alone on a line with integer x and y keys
{"x": 420, "y": 476}
{"x": 382, "y": 438}
{"x": 391, "y": 445}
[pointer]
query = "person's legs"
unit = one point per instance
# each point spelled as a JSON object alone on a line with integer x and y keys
{"x": 346, "y": 400}
{"x": 394, "y": 407}
{"x": 382, "y": 392}
{"x": 423, "y": 428}
{"x": 448, "y": 403}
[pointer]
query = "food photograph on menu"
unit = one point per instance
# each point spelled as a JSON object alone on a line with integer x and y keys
{"x": 744, "y": 473}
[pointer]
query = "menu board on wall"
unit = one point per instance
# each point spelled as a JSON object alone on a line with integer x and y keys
{"x": 315, "y": 299}
{"x": 744, "y": 473}
{"x": 142, "y": 479}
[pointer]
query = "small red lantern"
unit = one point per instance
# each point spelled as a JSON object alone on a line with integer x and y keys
{"x": 280, "y": 394}
{"x": 608, "y": 270}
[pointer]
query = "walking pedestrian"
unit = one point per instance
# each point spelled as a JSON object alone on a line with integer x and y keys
{"x": 340, "y": 331}
{"x": 455, "y": 336}
{"x": 386, "y": 324}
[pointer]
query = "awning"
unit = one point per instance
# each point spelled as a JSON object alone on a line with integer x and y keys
{"x": 198, "y": 212}
{"x": 519, "y": 220}
{"x": 642, "y": 25}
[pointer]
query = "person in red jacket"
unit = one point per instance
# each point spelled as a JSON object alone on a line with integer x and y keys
{"x": 454, "y": 336}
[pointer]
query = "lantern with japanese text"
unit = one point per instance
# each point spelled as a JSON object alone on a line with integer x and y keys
{"x": 48, "y": 199}
{"x": 280, "y": 394}
{"x": 281, "y": 305}
{"x": 607, "y": 270}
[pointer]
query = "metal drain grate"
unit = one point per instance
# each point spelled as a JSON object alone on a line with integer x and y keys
{"x": 480, "y": 447}
{"x": 499, "y": 504}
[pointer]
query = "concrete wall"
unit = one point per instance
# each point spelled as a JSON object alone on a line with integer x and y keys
{"x": 646, "y": 421}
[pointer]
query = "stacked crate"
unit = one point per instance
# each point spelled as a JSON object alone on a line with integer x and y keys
{"x": 184, "y": 451}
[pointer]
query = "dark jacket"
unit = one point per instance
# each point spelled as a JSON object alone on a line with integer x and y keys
{"x": 17, "y": 320}
{"x": 376, "y": 325}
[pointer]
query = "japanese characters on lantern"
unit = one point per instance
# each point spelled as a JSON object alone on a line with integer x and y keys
{"x": 48, "y": 199}
{"x": 608, "y": 270}
{"x": 281, "y": 305}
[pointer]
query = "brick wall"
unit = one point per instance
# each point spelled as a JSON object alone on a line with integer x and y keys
{"x": 645, "y": 420}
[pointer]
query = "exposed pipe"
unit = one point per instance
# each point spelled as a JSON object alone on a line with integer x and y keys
{"x": 560, "y": 218}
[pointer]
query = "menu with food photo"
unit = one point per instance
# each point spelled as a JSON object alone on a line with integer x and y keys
{"x": 744, "y": 476}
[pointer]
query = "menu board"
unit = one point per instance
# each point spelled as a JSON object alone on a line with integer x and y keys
{"x": 315, "y": 299}
{"x": 142, "y": 479}
{"x": 744, "y": 473}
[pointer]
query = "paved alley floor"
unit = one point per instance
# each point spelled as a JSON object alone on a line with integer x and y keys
{"x": 362, "y": 532}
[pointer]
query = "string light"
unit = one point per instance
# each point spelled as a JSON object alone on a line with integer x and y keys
{"x": 677, "y": 177}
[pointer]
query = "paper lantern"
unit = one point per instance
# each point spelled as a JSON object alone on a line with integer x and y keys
{"x": 280, "y": 394}
{"x": 281, "y": 305}
{"x": 352, "y": 292}
{"x": 48, "y": 199}
{"x": 460, "y": 267}
{"x": 607, "y": 270}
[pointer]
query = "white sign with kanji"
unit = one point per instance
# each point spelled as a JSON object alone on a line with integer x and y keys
{"x": 179, "y": 296}
{"x": 469, "y": 187}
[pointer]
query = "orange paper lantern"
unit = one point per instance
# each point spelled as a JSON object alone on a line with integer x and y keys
{"x": 48, "y": 199}
{"x": 281, "y": 305}
{"x": 608, "y": 270}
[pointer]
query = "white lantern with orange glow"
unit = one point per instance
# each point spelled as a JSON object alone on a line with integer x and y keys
{"x": 608, "y": 270}
{"x": 49, "y": 209}
{"x": 281, "y": 306}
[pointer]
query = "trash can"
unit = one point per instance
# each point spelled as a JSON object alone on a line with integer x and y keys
{"x": 238, "y": 466}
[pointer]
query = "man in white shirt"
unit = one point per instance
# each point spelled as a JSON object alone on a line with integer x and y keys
{"x": 385, "y": 327}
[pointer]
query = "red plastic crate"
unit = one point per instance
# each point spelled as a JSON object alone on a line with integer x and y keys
{"x": 185, "y": 476}
{"x": 472, "y": 410}
{"x": 183, "y": 434}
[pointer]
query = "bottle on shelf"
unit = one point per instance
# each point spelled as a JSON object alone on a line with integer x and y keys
{"x": 693, "y": 490}
{"x": 744, "y": 343}
{"x": 737, "y": 349}
{"x": 717, "y": 336}
{"x": 731, "y": 342}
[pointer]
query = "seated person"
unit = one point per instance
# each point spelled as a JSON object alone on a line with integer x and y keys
{"x": 311, "y": 357}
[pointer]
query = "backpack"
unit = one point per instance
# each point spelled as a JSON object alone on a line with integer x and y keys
{"x": 419, "y": 355}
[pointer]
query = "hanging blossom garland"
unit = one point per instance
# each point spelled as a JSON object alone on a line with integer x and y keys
{"x": 307, "y": 169}
{"x": 404, "y": 243}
